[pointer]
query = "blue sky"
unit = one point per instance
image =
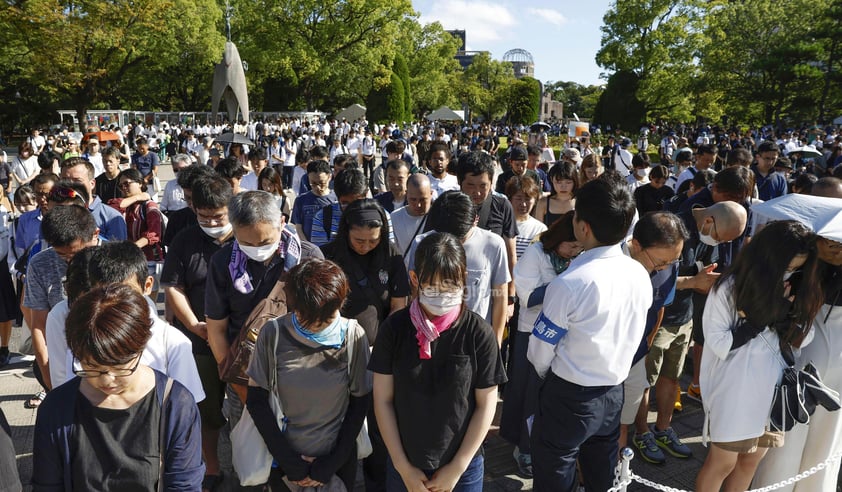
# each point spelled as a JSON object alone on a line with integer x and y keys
{"x": 563, "y": 36}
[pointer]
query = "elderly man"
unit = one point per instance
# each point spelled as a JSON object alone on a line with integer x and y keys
{"x": 244, "y": 271}
{"x": 721, "y": 222}
{"x": 409, "y": 220}
{"x": 111, "y": 224}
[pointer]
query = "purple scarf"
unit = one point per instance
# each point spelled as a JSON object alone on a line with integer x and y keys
{"x": 289, "y": 248}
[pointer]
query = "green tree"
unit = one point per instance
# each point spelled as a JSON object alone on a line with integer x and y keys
{"x": 524, "y": 101}
{"x": 402, "y": 71}
{"x": 618, "y": 105}
{"x": 484, "y": 86}
{"x": 658, "y": 41}
{"x": 430, "y": 52}
{"x": 767, "y": 74}
{"x": 86, "y": 53}
{"x": 327, "y": 54}
{"x": 577, "y": 98}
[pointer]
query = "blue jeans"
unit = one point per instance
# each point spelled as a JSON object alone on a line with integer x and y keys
{"x": 470, "y": 481}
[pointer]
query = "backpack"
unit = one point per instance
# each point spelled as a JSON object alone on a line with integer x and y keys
{"x": 273, "y": 306}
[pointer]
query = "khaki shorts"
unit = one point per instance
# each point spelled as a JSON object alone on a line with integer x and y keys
{"x": 669, "y": 348}
{"x": 634, "y": 386}
{"x": 769, "y": 439}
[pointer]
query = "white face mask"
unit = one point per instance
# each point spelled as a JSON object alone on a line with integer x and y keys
{"x": 642, "y": 172}
{"x": 441, "y": 304}
{"x": 708, "y": 239}
{"x": 260, "y": 253}
{"x": 787, "y": 275}
{"x": 217, "y": 232}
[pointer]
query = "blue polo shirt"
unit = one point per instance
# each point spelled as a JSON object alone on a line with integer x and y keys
{"x": 770, "y": 186}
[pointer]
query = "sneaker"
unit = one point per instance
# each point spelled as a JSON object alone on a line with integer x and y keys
{"x": 694, "y": 392}
{"x": 5, "y": 356}
{"x": 678, "y": 406}
{"x": 649, "y": 449}
{"x": 524, "y": 463}
{"x": 669, "y": 441}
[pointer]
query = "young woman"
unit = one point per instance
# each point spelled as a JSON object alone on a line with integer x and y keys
{"x": 543, "y": 261}
{"x": 319, "y": 360}
{"x": 565, "y": 182}
{"x": 100, "y": 430}
{"x": 751, "y": 315}
{"x": 523, "y": 192}
{"x": 144, "y": 221}
{"x": 270, "y": 180}
{"x": 436, "y": 369}
{"x": 591, "y": 169}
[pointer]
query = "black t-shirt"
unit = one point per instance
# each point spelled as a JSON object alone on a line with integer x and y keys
{"x": 177, "y": 221}
{"x": 651, "y": 199}
{"x": 434, "y": 398}
{"x": 186, "y": 267}
{"x": 115, "y": 449}
{"x": 496, "y": 215}
{"x": 222, "y": 300}
{"x": 372, "y": 285}
{"x": 107, "y": 189}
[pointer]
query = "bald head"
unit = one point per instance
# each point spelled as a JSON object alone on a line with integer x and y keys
{"x": 725, "y": 221}
{"x": 828, "y": 186}
{"x": 419, "y": 195}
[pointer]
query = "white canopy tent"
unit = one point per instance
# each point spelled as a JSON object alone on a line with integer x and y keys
{"x": 446, "y": 114}
{"x": 838, "y": 121}
{"x": 352, "y": 112}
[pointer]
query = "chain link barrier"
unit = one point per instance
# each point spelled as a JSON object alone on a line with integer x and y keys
{"x": 623, "y": 476}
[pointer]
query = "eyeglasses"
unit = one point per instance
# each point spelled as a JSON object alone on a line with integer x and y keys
{"x": 659, "y": 266}
{"x": 115, "y": 372}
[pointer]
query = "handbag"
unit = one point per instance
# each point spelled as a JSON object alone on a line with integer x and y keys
{"x": 799, "y": 392}
{"x": 364, "y": 446}
{"x": 251, "y": 458}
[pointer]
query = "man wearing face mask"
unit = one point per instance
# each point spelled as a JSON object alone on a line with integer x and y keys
{"x": 245, "y": 270}
{"x": 640, "y": 176}
{"x": 183, "y": 278}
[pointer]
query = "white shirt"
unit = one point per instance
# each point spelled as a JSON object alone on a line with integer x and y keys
{"x": 24, "y": 168}
{"x": 96, "y": 161}
{"x": 738, "y": 384}
{"x": 168, "y": 350}
{"x": 532, "y": 270}
{"x": 623, "y": 162}
{"x": 439, "y": 186}
{"x": 405, "y": 226}
{"x": 173, "y": 198}
{"x": 249, "y": 182}
{"x": 685, "y": 175}
{"x": 593, "y": 319}
{"x": 526, "y": 232}
{"x": 353, "y": 145}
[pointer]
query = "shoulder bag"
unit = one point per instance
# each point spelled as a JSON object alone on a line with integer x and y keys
{"x": 798, "y": 393}
{"x": 251, "y": 458}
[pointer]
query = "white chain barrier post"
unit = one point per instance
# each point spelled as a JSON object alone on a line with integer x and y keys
{"x": 623, "y": 476}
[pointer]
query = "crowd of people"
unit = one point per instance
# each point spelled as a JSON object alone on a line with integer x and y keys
{"x": 376, "y": 311}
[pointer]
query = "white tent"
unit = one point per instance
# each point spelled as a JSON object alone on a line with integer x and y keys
{"x": 352, "y": 112}
{"x": 822, "y": 215}
{"x": 447, "y": 114}
{"x": 838, "y": 121}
